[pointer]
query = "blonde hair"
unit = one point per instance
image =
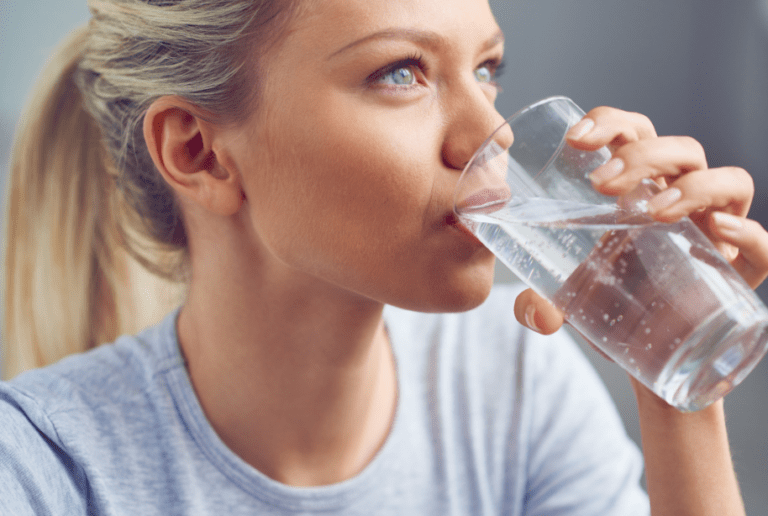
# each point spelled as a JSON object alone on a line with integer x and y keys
{"x": 84, "y": 202}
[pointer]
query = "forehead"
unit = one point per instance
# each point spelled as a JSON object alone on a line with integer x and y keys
{"x": 329, "y": 23}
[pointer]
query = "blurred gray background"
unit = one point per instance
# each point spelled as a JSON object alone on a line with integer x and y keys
{"x": 695, "y": 67}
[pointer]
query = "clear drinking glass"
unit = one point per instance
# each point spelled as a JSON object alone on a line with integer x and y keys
{"x": 658, "y": 299}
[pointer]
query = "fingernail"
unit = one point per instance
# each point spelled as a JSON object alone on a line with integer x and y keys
{"x": 530, "y": 318}
{"x": 664, "y": 200}
{"x": 608, "y": 171}
{"x": 727, "y": 221}
{"x": 581, "y": 129}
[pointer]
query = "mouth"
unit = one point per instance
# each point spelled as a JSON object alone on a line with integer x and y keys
{"x": 485, "y": 201}
{"x": 453, "y": 221}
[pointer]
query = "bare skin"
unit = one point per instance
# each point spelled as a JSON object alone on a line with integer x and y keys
{"x": 334, "y": 199}
{"x": 296, "y": 247}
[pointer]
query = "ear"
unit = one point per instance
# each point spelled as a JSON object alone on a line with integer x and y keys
{"x": 183, "y": 147}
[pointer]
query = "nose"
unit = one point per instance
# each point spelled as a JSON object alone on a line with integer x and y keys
{"x": 472, "y": 122}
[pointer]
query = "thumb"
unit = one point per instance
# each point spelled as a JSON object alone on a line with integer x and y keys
{"x": 536, "y": 313}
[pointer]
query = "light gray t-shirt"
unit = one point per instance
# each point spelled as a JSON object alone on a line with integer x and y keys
{"x": 491, "y": 419}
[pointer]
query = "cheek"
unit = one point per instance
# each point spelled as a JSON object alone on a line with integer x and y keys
{"x": 359, "y": 205}
{"x": 365, "y": 168}
{"x": 345, "y": 191}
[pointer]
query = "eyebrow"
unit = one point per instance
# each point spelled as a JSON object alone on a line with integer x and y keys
{"x": 423, "y": 37}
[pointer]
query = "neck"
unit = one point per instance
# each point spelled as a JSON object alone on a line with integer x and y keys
{"x": 295, "y": 376}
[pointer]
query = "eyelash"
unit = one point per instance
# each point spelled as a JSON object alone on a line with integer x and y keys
{"x": 496, "y": 66}
{"x": 412, "y": 61}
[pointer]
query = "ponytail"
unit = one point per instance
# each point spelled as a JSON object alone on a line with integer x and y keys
{"x": 91, "y": 226}
{"x": 66, "y": 280}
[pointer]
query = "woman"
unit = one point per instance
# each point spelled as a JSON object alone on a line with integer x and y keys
{"x": 294, "y": 163}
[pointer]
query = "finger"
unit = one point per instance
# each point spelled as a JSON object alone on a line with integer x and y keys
{"x": 752, "y": 241}
{"x": 728, "y": 189}
{"x": 536, "y": 313}
{"x": 609, "y": 126}
{"x": 666, "y": 157}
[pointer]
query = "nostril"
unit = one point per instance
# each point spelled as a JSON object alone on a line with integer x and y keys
{"x": 470, "y": 127}
{"x": 504, "y": 137}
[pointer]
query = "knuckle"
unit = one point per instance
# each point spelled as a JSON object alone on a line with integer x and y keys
{"x": 642, "y": 122}
{"x": 743, "y": 177}
{"x": 743, "y": 185}
{"x": 756, "y": 228}
{"x": 698, "y": 196}
{"x": 601, "y": 112}
{"x": 636, "y": 154}
{"x": 630, "y": 125}
{"x": 758, "y": 237}
{"x": 693, "y": 145}
{"x": 692, "y": 148}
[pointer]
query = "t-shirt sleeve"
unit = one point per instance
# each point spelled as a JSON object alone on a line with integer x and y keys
{"x": 36, "y": 476}
{"x": 581, "y": 461}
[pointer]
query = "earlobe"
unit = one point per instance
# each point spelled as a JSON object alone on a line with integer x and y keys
{"x": 181, "y": 144}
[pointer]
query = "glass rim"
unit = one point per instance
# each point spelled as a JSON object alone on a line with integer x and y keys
{"x": 507, "y": 121}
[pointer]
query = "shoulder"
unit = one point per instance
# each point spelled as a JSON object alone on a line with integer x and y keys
{"x": 64, "y": 422}
{"x": 35, "y": 476}
{"x": 86, "y": 397}
{"x": 108, "y": 374}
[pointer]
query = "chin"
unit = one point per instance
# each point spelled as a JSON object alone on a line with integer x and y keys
{"x": 462, "y": 300}
{"x": 458, "y": 292}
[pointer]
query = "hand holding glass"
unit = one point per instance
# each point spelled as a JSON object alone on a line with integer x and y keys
{"x": 658, "y": 299}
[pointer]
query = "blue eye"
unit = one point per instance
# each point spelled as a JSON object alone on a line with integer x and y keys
{"x": 483, "y": 74}
{"x": 402, "y": 76}
{"x": 404, "y": 72}
{"x": 489, "y": 71}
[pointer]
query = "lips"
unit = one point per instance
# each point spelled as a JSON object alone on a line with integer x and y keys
{"x": 453, "y": 221}
{"x": 485, "y": 200}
